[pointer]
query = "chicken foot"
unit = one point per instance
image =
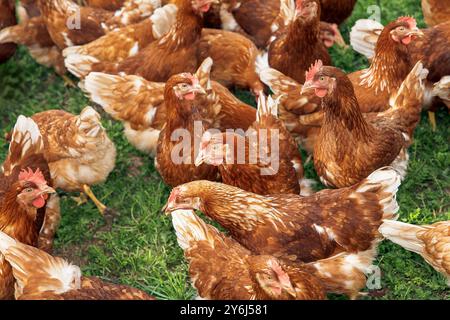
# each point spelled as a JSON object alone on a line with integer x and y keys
{"x": 432, "y": 118}
{"x": 100, "y": 206}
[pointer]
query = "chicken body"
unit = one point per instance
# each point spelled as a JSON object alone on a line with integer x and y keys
{"x": 174, "y": 53}
{"x": 121, "y": 43}
{"x": 111, "y": 5}
{"x": 236, "y": 273}
{"x": 336, "y": 11}
{"x": 376, "y": 140}
{"x": 234, "y": 59}
{"x": 23, "y": 196}
{"x": 295, "y": 228}
{"x": 78, "y": 150}
{"x": 436, "y": 11}
{"x": 432, "y": 242}
{"x": 188, "y": 108}
{"x": 40, "y": 276}
{"x": 140, "y": 105}
{"x": 264, "y": 161}
{"x": 7, "y": 18}
{"x": 299, "y": 45}
{"x": 33, "y": 34}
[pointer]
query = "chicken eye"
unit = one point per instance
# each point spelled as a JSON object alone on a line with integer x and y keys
{"x": 402, "y": 29}
{"x": 29, "y": 190}
{"x": 322, "y": 78}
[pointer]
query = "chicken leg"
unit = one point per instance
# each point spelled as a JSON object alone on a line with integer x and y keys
{"x": 432, "y": 118}
{"x": 101, "y": 207}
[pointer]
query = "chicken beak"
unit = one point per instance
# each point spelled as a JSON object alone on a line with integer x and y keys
{"x": 198, "y": 89}
{"x": 307, "y": 87}
{"x": 46, "y": 190}
{"x": 417, "y": 33}
{"x": 291, "y": 291}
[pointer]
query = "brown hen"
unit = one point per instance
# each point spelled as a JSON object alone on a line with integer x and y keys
{"x": 236, "y": 273}
{"x": 376, "y": 140}
{"x": 188, "y": 110}
{"x": 24, "y": 190}
{"x": 40, "y": 276}
{"x": 295, "y": 228}
{"x": 432, "y": 242}
{"x": 265, "y": 160}
{"x": 299, "y": 44}
{"x": 7, "y": 18}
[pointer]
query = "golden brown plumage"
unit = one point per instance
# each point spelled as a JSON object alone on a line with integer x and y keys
{"x": 70, "y": 24}
{"x": 33, "y": 34}
{"x": 188, "y": 110}
{"x": 24, "y": 188}
{"x": 174, "y": 53}
{"x": 336, "y": 11}
{"x": 111, "y": 5}
{"x": 376, "y": 85}
{"x": 236, "y": 273}
{"x": 295, "y": 228}
{"x": 139, "y": 104}
{"x": 299, "y": 44}
{"x": 40, "y": 276}
{"x": 7, "y": 18}
{"x": 234, "y": 59}
{"x": 432, "y": 242}
{"x": 119, "y": 44}
{"x": 270, "y": 163}
{"x": 300, "y": 113}
{"x": 436, "y": 11}
{"x": 376, "y": 140}
{"x": 77, "y": 148}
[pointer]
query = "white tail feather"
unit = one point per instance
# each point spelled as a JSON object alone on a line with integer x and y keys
{"x": 441, "y": 89}
{"x": 402, "y": 234}
{"x": 389, "y": 179}
{"x": 78, "y": 64}
{"x": 163, "y": 19}
{"x": 364, "y": 36}
{"x": 190, "y": 228}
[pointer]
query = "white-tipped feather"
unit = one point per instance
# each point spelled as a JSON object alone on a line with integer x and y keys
{"x": 6, "y": 35}
{"x": 163, "y": 19}
{"x": 189, "y": 228}
{"x": 78, "y": 64}
{"x": 285, "y": 17}
{"x": 364, "y": 36}
{"x": 24, "y": 259}
{"x": 390, "y": 180}
{"x": 262, "y": 63}
{"x": 306, "y": 187}
{"x": 267, "y": 106}
{"x": 6, "y": 242}
{"x": 402, "y": 234}
{"x": 441, "y": 89}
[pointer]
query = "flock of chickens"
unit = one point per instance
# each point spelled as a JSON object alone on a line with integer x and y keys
{"x": 158, "y": 66}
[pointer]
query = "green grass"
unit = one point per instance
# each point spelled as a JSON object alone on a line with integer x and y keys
{"x": 140, "y": 248}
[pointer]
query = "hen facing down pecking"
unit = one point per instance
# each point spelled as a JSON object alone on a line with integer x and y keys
{"x": 24, "y": 192}
{"x": 39, "y": 276}
{"x": 265, "y": 160}
{"x": 376, "y": 140}
{"x": 77, "y": 149}
{"x": 432, "y": 242}
{"x": 236, "y": 273}
{"x": 295, "y": 228}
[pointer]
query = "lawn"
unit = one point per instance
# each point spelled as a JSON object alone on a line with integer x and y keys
{"x": 139, "y": 248}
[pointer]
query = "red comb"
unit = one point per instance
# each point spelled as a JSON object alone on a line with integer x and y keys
{"x": 313, "y": 70}
{"x": 412, "y": 23}
{"x": 35, "y": 177}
